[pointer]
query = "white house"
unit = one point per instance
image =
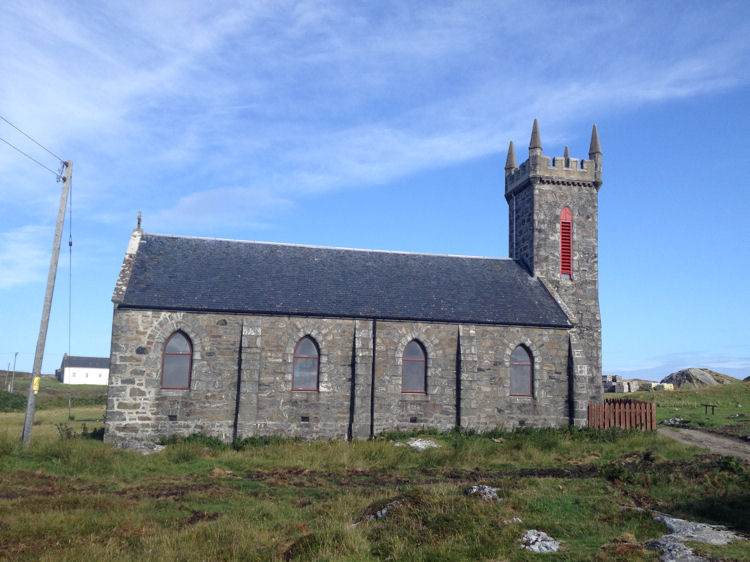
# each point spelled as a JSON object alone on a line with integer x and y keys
{"x": 83, "y": 370}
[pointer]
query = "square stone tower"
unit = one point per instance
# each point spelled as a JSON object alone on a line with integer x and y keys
{"x": 553, "y": 206}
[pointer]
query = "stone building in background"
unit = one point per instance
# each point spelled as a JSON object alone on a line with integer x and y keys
{"x": 237, "y": 339}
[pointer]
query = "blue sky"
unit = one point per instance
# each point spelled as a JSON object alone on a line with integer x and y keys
{"x": 383, "y": 126}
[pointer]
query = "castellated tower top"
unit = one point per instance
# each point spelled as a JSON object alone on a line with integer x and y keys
{"x": 557, "y": 170}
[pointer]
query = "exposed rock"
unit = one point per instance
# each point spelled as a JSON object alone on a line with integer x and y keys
{"x": 701, "y": 532}
{"x": 691, "y": 377}
{"x": 681, "y": 530}
{"x": 380, "y": 513}
{"x": 418, "y": 443}
{"x": 538, "y": 541}
{"x": 673, "y": 421}
{"x": 486, "y": 493}
{"x": 673, "y": 550}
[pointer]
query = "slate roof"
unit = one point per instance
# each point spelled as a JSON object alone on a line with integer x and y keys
{"x": 85, "y": 362}
{"x": 211, "y": 275}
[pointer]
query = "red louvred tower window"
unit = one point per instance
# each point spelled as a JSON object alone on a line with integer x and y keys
{"x": 566, "y": 251}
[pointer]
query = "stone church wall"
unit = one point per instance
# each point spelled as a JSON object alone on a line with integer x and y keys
{"x": 486, "y": 402}
{"x": 138, "y": 408}
{"x": 467, "y": 377}
{"x": 268, "y": 405}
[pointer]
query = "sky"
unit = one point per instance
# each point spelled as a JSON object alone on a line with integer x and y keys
{"x": 380, "y": 125}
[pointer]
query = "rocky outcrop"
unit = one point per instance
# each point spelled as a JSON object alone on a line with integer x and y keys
{"x": 538, "y": 541}
{"x": 672, "y": 546}
{"x": 695, "y": 378}
{"x": 483, "y": 492}
{"x": 418, "y": 444}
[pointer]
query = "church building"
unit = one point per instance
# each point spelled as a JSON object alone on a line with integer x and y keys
{"x": 236, "y": 339}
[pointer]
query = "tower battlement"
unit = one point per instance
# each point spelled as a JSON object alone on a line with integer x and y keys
{"x": 552, "y": 169}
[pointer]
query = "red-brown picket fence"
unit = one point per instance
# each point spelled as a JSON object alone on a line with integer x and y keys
{"x": 624, "y": 413}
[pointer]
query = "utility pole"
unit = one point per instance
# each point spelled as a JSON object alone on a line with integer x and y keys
{"x": 28, "y": 420}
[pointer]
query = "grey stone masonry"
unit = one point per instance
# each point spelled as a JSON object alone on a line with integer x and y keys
{"x": 537, "y": 191}
{"x": 241, "y": 378}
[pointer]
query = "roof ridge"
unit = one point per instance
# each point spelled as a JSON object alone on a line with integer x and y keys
{"x": 315, "y": 246}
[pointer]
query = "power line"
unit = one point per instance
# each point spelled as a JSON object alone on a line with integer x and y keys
{"x": 29, "y": 157}
{"x": 31, "y": 139}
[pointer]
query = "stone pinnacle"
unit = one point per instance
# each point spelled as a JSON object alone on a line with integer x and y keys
{"x": 595, "y": 147}
{"x": 510, "y": 162}
{"x": 536, "y": 141}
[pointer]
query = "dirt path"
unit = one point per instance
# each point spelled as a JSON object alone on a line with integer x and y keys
{"x": 711, "y": 441}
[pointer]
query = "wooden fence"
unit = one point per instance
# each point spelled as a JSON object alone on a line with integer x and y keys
{"x": 624, "y": 413}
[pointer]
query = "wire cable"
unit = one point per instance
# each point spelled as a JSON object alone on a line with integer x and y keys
{"x": 29, "y": 157}
{"x": 31, "y": 139}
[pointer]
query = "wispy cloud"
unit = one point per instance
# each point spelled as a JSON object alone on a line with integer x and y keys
{"x": 304, "y": 97}
{"x": 231, "y": 205}
{"x": 22, "y": 255}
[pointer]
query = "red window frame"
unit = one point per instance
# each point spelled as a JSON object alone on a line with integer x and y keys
{"x": 317, "y": 364}
{"x": 566, "y": 243}
{"x": 529, "y": 364}
{"x": 166, "y": 353}
{"x": 423, "y": 360}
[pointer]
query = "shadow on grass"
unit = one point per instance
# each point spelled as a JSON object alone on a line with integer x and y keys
{"x": 732, "y": 510}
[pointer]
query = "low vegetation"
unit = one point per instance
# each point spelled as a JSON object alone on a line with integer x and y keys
{"x": 52, "y": 393}
{"x": 730, "y": 414}
{"x": 71, "y": 497}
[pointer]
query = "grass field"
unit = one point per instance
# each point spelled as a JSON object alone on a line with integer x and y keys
{"x": 730, "y": 416}
{"x": 71, "y": 497}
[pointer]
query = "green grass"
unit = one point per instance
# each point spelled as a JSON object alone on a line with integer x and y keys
{"x": 52, "y": 394}
{"x": 11, "y": 402}
{"x": 731, "y": 414}
{"x": 71, "y": 497}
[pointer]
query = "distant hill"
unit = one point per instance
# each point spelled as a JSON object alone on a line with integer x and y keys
{"x": 695, "y": 378}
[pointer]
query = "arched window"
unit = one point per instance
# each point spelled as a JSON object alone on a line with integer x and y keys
{"x": 414, "y": 368}
{"x": 176, "y": 362}
{"x": 521, "y": 372}
{"x": 306, "y": 361}
{"x": 566, "y": 243}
